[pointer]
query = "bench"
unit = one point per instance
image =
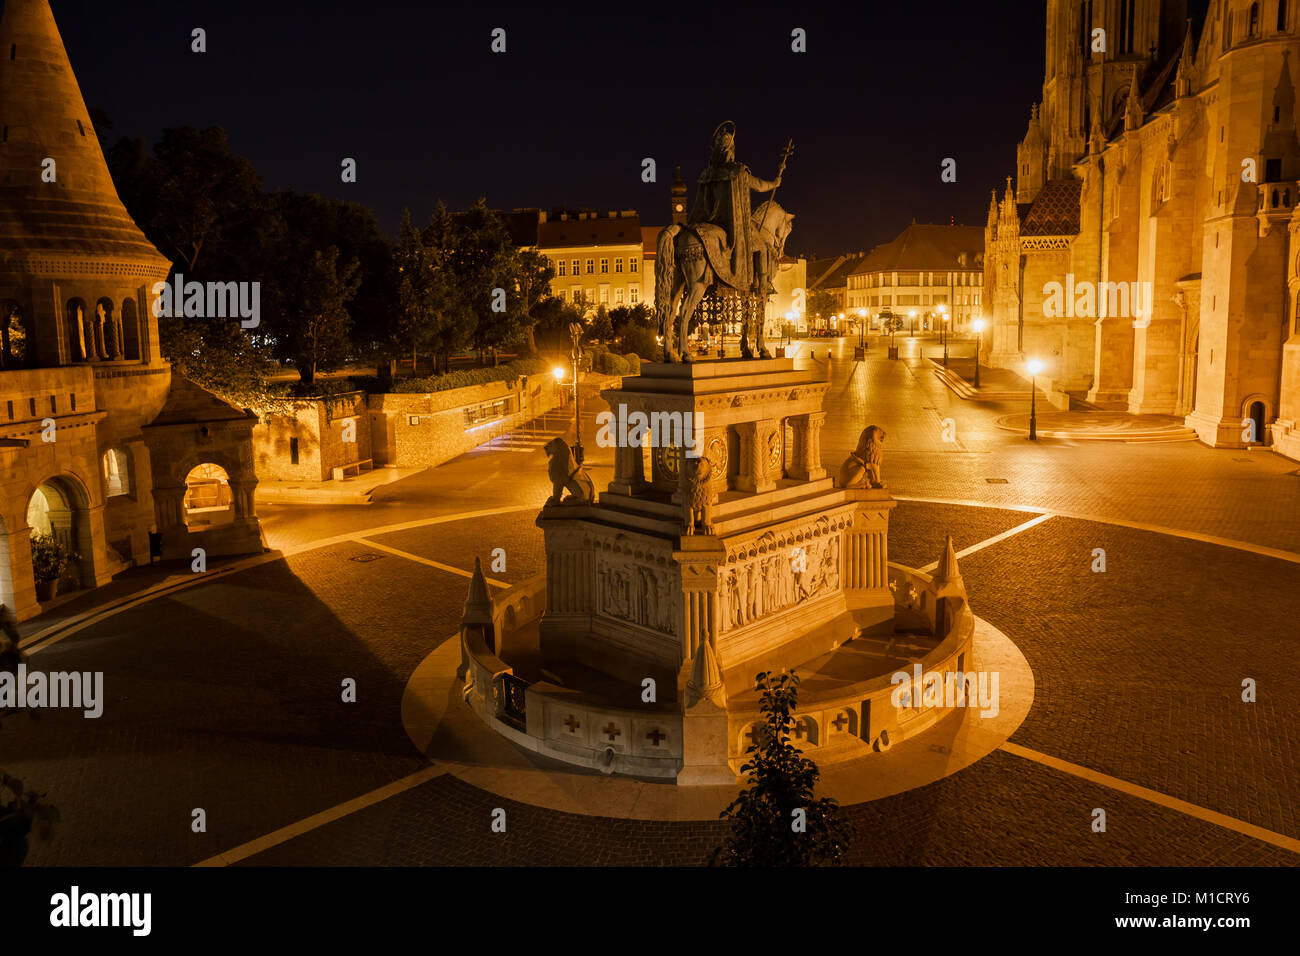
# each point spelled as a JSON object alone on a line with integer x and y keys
{"x": 353, "y": 470}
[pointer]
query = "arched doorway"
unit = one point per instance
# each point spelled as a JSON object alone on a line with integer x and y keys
{"x": 1256, "y": 413}
{"x": 209, "y": 502}
{"x": 56, "y": 517}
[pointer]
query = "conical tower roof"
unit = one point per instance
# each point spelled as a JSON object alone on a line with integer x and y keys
{"x": 79, "y": 215}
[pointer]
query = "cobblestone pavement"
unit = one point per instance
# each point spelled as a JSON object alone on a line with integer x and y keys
{"x": 227, "y": 696}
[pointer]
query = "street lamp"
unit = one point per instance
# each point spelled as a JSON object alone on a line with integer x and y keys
{"x": 575, "y": 333}
{"x": 1035, "y": 366}
{"x": 978, "y": 325}
{"x": 943, "y": 332}
{"x": 911, "y": 314}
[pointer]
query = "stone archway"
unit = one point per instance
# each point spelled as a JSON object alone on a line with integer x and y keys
{"x": 59, "y": 507}
{"x": 209, "y": 500}
{"x": 1257, "y": 413}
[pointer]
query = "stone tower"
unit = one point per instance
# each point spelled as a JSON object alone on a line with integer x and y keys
{"x": 678, "y": 197}
{"x": 1080, "y": 75}
{"x": 81, "y": 375}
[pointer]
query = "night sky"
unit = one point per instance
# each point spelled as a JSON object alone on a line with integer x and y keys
{"x": 885, "y": 92}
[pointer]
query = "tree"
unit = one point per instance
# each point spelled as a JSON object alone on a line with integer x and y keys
{"x": 457, "y": 320}
{"x": 315, "y": 335}
{"x": 601, "y": 328}
{"x": 532, "y": 285}
{"x": 824, "y": 303}
{"x": 419, "y": 299}
{"x": 776, "y": 821}
{"x": 484, "y": 260}
{"x": 194, "y": 197}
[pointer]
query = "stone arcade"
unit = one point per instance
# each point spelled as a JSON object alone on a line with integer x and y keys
{"x": 81, "y": 376}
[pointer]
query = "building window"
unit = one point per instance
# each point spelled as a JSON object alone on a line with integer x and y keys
{"x": 604, "y": 267}
{"x": 604, "y": 295}
{"x": 618, "y": 296}
{"x": 618, "y": 265}
{"x": 1281, "y": 15}
{"x": 117, "y": 474}
{"x": 631, "y": 264}
{"x": 293, "y": 451}
{"x": 632, "y": 294}
{"x": 1254, "y": 20}
{"x": 1272, "y": 170}
{"x": 563, "y": 294}
{"x": 575, "y": 267}
{"x": 559, "y": 269}
{"x": 591, "y": 267}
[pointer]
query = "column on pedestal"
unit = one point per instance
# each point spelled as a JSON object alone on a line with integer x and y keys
{"x": 807, "y": 459}
{"x": 754, "y": 474}
{"x": 629, "y": 465}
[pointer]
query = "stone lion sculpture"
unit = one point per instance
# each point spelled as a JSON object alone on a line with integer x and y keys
{"x": 567, "y": 475}
{"x": 697, "y": 496}
{"x": 862, "y": 468}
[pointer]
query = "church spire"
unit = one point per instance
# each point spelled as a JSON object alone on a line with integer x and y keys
{"x": 993, "y": 208}
{"x": 1133, "y": 105}
{"x": 1186, "y": 64}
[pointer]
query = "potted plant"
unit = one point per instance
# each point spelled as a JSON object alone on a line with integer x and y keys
{"x": 49, "y": 560}
{"x": 22, "y": 812}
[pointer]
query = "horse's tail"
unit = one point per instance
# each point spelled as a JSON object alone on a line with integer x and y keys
{"x": 665, "y": 266}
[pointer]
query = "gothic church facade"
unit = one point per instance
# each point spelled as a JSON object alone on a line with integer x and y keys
{"x": 1147, "y": 250}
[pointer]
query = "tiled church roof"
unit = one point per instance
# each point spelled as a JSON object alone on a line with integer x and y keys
{"x": 1054, "y": 211}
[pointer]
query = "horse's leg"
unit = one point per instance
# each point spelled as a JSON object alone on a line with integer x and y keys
{"x": 694, "y": 294}
{"x": 745, "y": 350}
{"x": 679, "y": 288}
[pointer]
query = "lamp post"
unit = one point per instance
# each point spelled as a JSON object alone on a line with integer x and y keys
{"x": 979, "y": 345}
{"x": 575, "y": 333}
{"x": 911, "y": 314}
{"x": 943, "y": 332}
{"x": 1035, "y": 366}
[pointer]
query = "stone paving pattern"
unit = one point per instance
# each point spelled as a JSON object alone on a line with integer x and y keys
{"x": 226, "y": 696}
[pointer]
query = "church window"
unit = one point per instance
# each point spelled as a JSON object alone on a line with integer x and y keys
{"x": 1254, "y": 20}
{"x": 604, "y": 267}
{"x": 559, "y": 268}
{"x": 631, "y": 263}
{"x": 1281, "y": 14}
{"x": 618, "y": 264}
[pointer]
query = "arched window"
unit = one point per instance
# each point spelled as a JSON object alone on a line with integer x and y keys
{"x": 1254, "y": 20}
{"x": 1227, "y": 31}
{"x": 117, "y": 473}
{"x": 1281, "y": 15}
{"x": 130, "y": 331}
{"x": 13, "y": 335}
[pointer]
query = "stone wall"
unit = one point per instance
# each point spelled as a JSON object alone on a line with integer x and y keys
{"x": 425, "y": 430}
{"x": 330, "y": 433}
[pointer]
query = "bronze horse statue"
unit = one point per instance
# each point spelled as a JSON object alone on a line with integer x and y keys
{"x": 684, "y": 275}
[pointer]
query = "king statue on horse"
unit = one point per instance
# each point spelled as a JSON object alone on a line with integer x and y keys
{"x": 722, "y": 260}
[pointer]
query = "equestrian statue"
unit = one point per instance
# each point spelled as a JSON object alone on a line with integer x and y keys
{"x": 724, "y": 256}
